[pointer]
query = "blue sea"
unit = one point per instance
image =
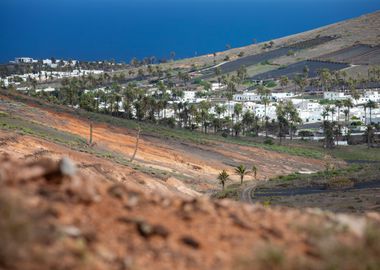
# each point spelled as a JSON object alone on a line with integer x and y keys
{"x": 122, "y": 29}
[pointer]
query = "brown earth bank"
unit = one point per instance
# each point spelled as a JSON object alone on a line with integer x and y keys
{"x": 186, "y": 164}
{"x": 52, "y": 217}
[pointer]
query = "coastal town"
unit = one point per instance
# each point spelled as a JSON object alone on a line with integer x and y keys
{"x": 190, "y": 135}
{"x": 229, "y": 104}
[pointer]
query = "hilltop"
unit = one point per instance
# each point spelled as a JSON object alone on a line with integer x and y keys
{"x": 363, "y": 29}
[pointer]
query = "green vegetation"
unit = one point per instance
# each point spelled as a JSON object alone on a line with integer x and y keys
{"x": 230, "y": 192}
{"x": 326, "y": 102}
{"x": 327, "y": 174}
{"x": 356, "y": 153}
{"x": 24, "y": 127}
{"x": 340, "y": 182}
{"x": 223, "y": 177}
{"x": 3, "y": 114}
{"x": 182, "y": 135}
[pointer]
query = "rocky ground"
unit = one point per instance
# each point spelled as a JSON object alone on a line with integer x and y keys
{"x": 52, "y": 217}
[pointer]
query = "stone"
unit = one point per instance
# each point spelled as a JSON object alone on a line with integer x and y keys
{"x": 191, "y": 242}
{"x": 67, "y": 167}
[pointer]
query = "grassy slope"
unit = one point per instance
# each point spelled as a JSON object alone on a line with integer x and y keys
{"x": 168, "y": 133}
{"x": 73, "y": 142}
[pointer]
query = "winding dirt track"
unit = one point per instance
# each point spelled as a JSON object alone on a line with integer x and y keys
{"x": 246, "y": 194}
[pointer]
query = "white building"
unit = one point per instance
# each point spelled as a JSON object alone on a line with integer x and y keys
{"x": 28, "y": 60}
{"x": 47, "y": 89}
{"x": 335, "y": 96}
{"x": 282, "y": 96}
{"x": 270, "y": 111}
{"x": 217, "y": 86}
{"x": 189, "y": 96}
{"x": 369, "y": 95}
{"x": 47, "y": 62}
{"x": 248, "y": 96}
{"x": 252, "y": 96}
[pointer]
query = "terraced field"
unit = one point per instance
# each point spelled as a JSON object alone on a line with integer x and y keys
{"x": 297, "y": 68}
{"x": 270, "y": 55}
{"x": 359, "y": 55}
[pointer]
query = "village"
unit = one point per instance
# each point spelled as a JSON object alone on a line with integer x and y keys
{"x": 228, "y": 106}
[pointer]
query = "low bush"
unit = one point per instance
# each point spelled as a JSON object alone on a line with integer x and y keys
{"x": 268, "y": 141}
{"x": 339, "y": 182}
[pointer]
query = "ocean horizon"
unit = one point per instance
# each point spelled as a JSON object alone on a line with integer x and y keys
{"x": 91, "y": 30}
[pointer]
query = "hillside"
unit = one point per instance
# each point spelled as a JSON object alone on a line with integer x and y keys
{"x": 53, "y": 218}
{"x": 363, "y": 30}
{"x": 147, "y": 191}
{"x": 166, "y": 159}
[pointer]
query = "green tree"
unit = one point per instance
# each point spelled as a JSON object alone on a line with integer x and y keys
{"x": 223, "y": 177}
{"x": 281, "y": 119}
{"x": 264, "y": 96}
{"x": 370, "y": 105}
{"x": 204, "y": 108}
{"x": 238, "y": 110}
{"x": 242, "y": 171}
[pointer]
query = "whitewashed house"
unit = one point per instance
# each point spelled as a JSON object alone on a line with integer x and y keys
{"x": 336, "y": 96}
{"x": 248, "y": 96}
{"x": 28, "y": 60}
{"x": 217, "y": 86}
{"x": 189, "y": 96}
{"x": 369, "y": 95}
{"x": 282, "y": 96}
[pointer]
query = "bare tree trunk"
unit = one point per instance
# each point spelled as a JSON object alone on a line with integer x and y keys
{"x": 137, "y": 143}
{"x": 90, "y": 134}
{"x": 291, "y": 131}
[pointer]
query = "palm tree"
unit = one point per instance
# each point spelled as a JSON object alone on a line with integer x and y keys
{"x": 238, "y": 109}
{"x": 247, "y": 121}
{"x": 371, "y": 105}
{"x": 348, "y": 104}
{"x": 325, "y": 78}
{"x": 204, "y": 107}
{"x": 241, "y": 171}
{"x": 264, "y": 96}
{"x": 325, "y": 114}
{"x": 220, "y": 109}
{"x": 292, "y": 116}
{"x": 301, "y": 82}
{"x": 333, "y": 111}
{"x": 223, "y": 177}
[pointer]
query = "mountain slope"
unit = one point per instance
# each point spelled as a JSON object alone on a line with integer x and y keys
{"x": 363, "y": 29}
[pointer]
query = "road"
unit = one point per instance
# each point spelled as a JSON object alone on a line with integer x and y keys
{"x": 247, "y": 193}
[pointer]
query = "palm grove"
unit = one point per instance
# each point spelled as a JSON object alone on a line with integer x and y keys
{"x": 111, "y": 95}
